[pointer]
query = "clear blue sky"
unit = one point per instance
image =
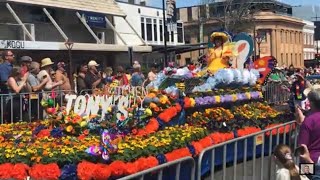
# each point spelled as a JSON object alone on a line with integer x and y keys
{"x": 182, "y": 3}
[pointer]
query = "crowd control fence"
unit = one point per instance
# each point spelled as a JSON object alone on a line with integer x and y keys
{"x": 158, "y": 171}
{"x": 240, "y": 151}
{"x": 27, "y": 106}
{"x": 276, "y": 92}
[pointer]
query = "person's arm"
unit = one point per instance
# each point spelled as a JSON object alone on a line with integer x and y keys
{"x": 13, "y": 84}
{"x": 96, "y": 83}
{"x": 59, "y": 76}
{"x": 35, "y": 86}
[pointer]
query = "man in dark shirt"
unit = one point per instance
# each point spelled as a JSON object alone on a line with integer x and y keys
{"x": 93, "y": 77}
{"x": 5, "y": 70}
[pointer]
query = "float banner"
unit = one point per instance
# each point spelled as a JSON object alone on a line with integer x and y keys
{"x": 171, "y": 12}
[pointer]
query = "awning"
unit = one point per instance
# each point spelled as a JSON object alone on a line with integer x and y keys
{"x": 58, "y": 46}
{"x": 98, "y": 6}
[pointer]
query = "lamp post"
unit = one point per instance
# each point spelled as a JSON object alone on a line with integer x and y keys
{"x": 69, "y": 46}
{"x": 259, "y": 38}
{"x": 165, "y": 33}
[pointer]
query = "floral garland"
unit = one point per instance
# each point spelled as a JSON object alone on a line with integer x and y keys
{"x": 89, "y": 170}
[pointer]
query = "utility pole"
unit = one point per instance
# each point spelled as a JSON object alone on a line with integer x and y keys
{"x": 317, "y": 40}
{"x": 165, "y": 33}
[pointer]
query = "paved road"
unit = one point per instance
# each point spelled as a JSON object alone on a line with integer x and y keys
{"x": 267, "y": 175}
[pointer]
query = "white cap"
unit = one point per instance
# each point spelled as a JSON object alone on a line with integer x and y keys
{"x": 93, "y": 63}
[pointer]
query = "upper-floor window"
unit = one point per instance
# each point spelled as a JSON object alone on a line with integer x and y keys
{"x": 189, "y": 13}
{"x": 161, "y": 30}
{"x": 149, "y": 29}
{"x": 142, "y": 29}
{"x": 180, "y": 32}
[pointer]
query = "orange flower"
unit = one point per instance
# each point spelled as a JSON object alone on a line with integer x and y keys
{"x": 48, "y": 171}
{"x": 85, "y": 170}
{"x": 152, "y": 126}
{"x": 151, "y": 95}
{"x": 198, "y": 147}
{"x": 1, "y": 139}
{"x": 247, "y": 130}
{"x": 131, "y": 168}
{"x": 101, "y": 171}
{"x": 19, "y": 171}
{"x": 153, "y": 105}
{"x": 206, "y": 142}
{"x": 117, "y": 168}
{"x": 177, "y": 154}
{"x": 5, "y": 170}
{"x": 43, "y": 133}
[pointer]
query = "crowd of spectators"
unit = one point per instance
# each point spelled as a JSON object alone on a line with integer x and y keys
{"x": 22, "y": 77}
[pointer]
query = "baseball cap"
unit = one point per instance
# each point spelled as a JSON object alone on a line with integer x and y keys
{"x": 26, "y": 59}
{"x": 93, "y": 63}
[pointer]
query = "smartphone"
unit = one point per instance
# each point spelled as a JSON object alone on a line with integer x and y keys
{"x": 299, "y": 151}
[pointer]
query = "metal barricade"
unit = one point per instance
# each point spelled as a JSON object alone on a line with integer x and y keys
{"x": 26, "y": 106}
{"x": 159, "y": 170}
{"x": 232, "y": 171}
{"x": 275, "y": 93}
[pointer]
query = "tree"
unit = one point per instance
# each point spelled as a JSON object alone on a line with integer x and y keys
{"x": 233, "y": 15}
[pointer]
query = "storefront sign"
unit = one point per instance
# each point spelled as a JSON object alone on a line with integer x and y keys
{"x": 95, "y": 19}
{"x": 29, "y": 45}
{"x": 12, "y": 44}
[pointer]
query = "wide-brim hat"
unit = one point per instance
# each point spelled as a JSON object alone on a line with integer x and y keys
{"x": 46, "y": 62}
{"x": 222, "y": 35}
{"x": 307, "y": 90}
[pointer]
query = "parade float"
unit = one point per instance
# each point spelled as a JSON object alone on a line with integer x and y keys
{"x": 130, "y": 129}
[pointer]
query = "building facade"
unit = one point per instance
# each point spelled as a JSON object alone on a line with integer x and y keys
{"x": 148, "y": 23}
{"x": 283, "y": 33}
{"x": 41, "y": 29}
{"x": 309, "y": 49}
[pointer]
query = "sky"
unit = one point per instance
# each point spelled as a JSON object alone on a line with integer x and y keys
{"x": 183, "y": 3}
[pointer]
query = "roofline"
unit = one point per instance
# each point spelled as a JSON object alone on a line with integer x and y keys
{"x": 121, "y": 2}
{"x": 273, "y": 1}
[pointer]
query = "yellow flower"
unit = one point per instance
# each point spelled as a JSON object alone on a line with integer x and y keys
{"x": 217, "y": 99}
{"x": 69, "y": 129}
{"x": 148, "y": 112}
{"x": 83, "y": 123}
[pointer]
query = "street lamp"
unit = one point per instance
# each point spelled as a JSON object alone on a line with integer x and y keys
{"x": 69, "y": 46}
{"x": 165, "y": 33}
{"x": 259, "y": 38}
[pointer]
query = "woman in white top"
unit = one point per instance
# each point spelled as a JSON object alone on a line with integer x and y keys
{"x": 287, "y": 168}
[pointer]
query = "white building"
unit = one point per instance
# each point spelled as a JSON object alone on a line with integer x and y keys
{"x": 148, "y": 23}
{"x": 309, "y": 49}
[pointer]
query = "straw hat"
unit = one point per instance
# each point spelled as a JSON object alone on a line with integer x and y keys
{"x": 93, "y": 63}
{"x": 222, "y": 35}
{"x": 46, "y": 62}
{"x": 307, "y": 90}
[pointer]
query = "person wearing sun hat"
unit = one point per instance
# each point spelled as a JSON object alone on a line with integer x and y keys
{"x": 220, "y": 56}
{"x": 297, "y": 89}
{"x": 93, "y": 78}
{"x": 44, "y": 74}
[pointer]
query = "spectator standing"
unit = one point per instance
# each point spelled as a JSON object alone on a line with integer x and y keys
{"x": 17, "y": 84}
{"x": 152, "y": 75}
{"x": 297, "y": 88}
{"x": 5, "y": 70}
{"x": 291, "y": 70}
{"x": 93, "y": 78}
{"x": 46, "y": 67}
{"x": 61, "y": 75}
{"x": 137, "y": 77}
{"x": 309, "y": 133}
{"x": 80, "y": 81}
{"x": 36, "y": 86}
{"x": 107, "y": 75}
{"x": 120, "y": 79}
{"x": 25, "y": 64}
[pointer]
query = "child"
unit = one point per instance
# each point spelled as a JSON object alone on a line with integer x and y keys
{"x": 287, "y": 168}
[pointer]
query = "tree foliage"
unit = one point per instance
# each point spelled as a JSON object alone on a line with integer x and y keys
{"x": 233, "y": 15}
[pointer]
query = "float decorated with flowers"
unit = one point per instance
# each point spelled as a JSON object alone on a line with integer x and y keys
{"x": 131, "y": 129}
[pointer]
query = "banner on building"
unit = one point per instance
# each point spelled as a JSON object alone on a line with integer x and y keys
{"x": 94, "y": 19}
{"x": 171, "y": 15}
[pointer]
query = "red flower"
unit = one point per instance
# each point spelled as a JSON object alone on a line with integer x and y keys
{"x": 152, "y": 126}
{"x": 206, "y": 142}
{"x": 131, "y": 168}
{"x": 101, "y": 171}
{"x": 247, "y": 130}
{"x": 177, "y": 154}
{"x": 142, "y": 163}
{"x": 43, "y": 133}
{"x": 152, "y": 162}
{"x": 5, "y": 170}
{"x": 198, "y": 147}
{"x": 19, "y": 171}
{"x": 48, "y": 171}
{"x": 117, "y": 168}
{"x": 85, "y": 170}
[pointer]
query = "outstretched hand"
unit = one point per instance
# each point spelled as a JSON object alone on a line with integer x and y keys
{"x": 299, "y": 115}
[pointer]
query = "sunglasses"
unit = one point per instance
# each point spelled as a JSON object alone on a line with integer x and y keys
{"x": 53, "y": 74}
{"x": 12, "y": 55}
